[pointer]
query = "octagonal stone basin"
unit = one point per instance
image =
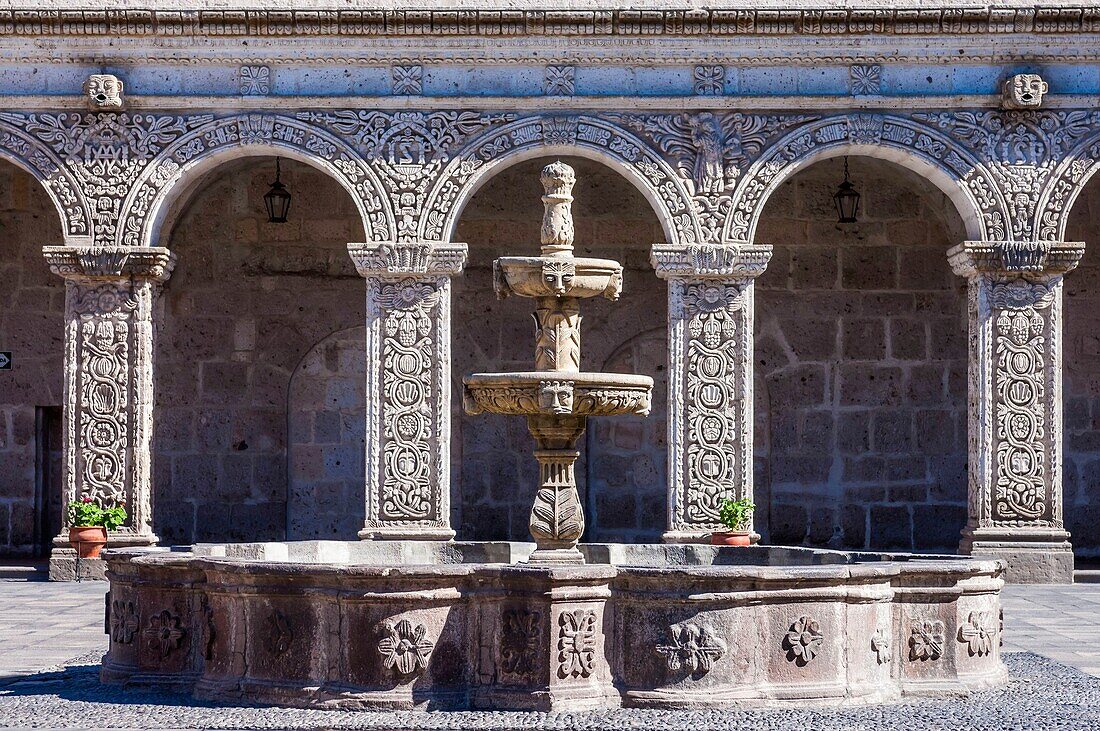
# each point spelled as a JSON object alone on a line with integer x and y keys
{"x": 399, "y": 625}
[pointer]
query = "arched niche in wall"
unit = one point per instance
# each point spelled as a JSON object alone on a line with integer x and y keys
{"x": 494, "y": 475}
{"x": 861, "y": 364}
{"x": 247, "y": 300}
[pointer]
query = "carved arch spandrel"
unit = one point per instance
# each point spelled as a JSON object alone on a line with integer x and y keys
{"x": 1067, "y": 182}
{"x": 568, "y": 135}
{"x": 38, "y": 160}
{"x": 945, "y": 162}
{"x": 207, "y": 145}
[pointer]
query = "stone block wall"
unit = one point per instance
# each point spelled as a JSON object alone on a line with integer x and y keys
{"x": 32, "y": 307}
{"x": 1081, "y": 379}
{"x": 247, "y": 301}
{"x": 861, "y": 359}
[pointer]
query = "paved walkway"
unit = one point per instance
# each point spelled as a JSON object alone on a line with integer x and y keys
{"x": 44, "y": 624}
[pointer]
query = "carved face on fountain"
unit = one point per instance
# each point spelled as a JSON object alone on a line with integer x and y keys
{"x": 558, "y": 276}
{"x": 556, "y": 397}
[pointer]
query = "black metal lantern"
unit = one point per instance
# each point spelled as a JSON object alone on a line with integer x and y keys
{"x": 846, "y": 199}
{"x": 277, "y": 199}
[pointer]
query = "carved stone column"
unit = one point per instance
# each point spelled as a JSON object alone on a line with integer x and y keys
{"x": 1015, "y": 432}
{"x": 110, "y": 295}
{"x": 408, "y": 461}
{"x": 710, "y": 351}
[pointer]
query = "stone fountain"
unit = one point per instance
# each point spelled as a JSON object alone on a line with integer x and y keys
{"x": 401, "y": 624}
{"x": 557, "y": 397}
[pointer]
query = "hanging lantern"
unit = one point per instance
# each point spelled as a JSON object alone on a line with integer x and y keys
{"x": 277, "y": 199}
{"x": 846, "y": 199}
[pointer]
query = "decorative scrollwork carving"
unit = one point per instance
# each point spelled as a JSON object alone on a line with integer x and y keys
{"x": 576, "y": 643}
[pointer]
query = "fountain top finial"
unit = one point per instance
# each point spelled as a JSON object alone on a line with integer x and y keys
{"x": 557, "y": 220}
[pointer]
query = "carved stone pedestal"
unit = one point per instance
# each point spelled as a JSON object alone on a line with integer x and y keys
{"x": 110, "y": 297}
{"x": 408, "y": 428}
{"x": 710, "y": 410}
{"x": 557, "y": 518}
{"x": 1015, "y": 493}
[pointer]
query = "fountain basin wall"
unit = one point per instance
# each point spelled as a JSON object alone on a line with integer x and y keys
{"x": 657, "y": 626}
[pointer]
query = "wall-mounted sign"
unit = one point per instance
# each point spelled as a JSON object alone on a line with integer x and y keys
{"x": 5, "y": 360}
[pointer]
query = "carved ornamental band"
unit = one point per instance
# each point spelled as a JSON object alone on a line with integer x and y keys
{"x": 710, "y": 316}
{"x": 408, "y": 387}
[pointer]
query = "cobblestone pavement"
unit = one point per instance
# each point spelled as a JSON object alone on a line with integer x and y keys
{"x": 51, "y": 636}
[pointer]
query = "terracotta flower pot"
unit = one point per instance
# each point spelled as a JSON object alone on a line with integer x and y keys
{"x": 88, "y": 540}
{"x": 731, "y": 538}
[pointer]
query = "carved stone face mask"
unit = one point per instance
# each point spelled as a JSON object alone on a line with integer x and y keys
{"x": 559, "y": 276}
{"x": 556, "y": 397}
{"x": 103, "y": 91}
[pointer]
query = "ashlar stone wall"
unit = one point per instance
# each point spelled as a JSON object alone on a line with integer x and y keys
{"x": 1081, "y": 379}
{"x": 246, "y": 303}
{"x": 861, "y": 364}
{"x": 32, "y": 307}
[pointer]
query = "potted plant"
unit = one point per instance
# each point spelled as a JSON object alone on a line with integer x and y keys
{"x": 735, "y": 515}
{"x": 88, "y": 525}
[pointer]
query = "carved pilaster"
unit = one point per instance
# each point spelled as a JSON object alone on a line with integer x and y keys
{"x": 408, "y": 387}
{"x": 110, "y": 295}
{"x": 1015, "y": 403}
{"x": 710, "y": 341}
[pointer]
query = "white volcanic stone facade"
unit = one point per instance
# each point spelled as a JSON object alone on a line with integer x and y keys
{"x": 726, "y": 105}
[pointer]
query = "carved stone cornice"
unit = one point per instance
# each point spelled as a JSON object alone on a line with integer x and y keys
{"x": 710, "y": 261}
{"x": 399, "y": 259}
{"x": 110, "y": 262}
{"x": 1025, "y": 259}
{"x": 197, "y": 19}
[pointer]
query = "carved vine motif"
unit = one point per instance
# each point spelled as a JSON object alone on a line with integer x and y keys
{"x": 576, "y": 643}
{"x": 1021, "y": 149}
{"x": 277, "y": 633}
{"x": 803, "y": 641}
{"x": 710, "y": 151}
{"x": 405, "y": 648}
{"x": 926, "y": 639}
{"x": 124, "y": 621}
{"x": 599, "y": 134}
{"x": 408, "y": 422}
{"x": 918, "y": 136}
{"x": 880, "y": 645}
{"x": 164, "y": 634}
{"x": 106, "y": 153}
{"x": 695, "y": 647}
{"x": 408, "y": 150}
{"x": 978, "y": 633}
{"x": 50, "y": 170}
{"x": 103, "y": 357}
{"x": 711, "y": 373}
{"x": 520, "y": 641}
{"x": 1020, "y": 349}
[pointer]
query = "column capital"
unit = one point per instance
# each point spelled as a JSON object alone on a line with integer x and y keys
{"x": 1021, "y": 259}
{"x": 732, "y": 260}
{"x": 400, "y": 259}
{"x": 110, "y": 262}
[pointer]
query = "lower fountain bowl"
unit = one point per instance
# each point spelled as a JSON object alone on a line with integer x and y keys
{"x": 564, "y": 393}
{"x": 432, "y": 625}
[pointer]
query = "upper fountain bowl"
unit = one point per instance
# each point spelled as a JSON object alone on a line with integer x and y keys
{"x": 557, "y": 276}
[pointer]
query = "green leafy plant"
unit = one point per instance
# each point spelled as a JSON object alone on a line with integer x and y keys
{"x": 735, "y": 514}
{"x": 87, "y": 512}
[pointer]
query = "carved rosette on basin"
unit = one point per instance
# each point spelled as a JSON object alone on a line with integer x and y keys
{"x": 557, "y": 398}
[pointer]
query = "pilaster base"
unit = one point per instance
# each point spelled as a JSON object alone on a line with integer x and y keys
{"x": 1046, "y": 559}
{"x": 685, "y": 536}
{"x": 406, "y": 533}
{"x": 65, "y": 566}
